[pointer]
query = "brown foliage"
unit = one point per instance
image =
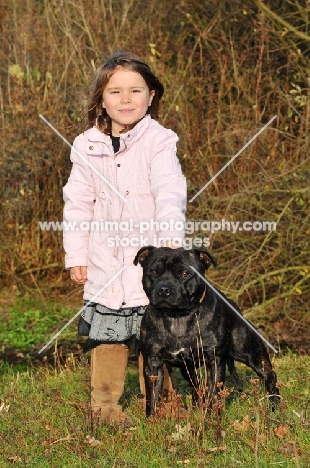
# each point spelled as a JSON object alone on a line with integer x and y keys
{"x": 227, "y": 69}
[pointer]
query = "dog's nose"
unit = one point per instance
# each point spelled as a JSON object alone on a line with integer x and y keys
{"x": 163, "y": 291}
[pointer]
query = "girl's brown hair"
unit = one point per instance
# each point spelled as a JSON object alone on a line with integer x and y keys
{"x": 96, "y": 114}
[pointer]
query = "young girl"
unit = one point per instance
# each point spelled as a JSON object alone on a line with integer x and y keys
{"x": 126, "y": 190}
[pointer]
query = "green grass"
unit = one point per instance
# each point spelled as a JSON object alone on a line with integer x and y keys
{"x": 45, "y": 418}
{"x": 45, "y": 423}
{"x": 27, "y": 329}
{"x": 28, "y": 322}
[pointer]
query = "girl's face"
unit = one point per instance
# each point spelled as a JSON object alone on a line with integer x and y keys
{"x": 126, "y": 98}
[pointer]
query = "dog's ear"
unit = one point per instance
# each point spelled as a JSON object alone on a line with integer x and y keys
{"x": 206, "y": 258}
{"x": 142, "y": 254}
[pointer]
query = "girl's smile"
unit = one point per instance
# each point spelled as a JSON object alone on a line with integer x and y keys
{"x": 126, "y": 99}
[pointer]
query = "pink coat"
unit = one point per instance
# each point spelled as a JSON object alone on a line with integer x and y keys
{"x": 147, "y": 173}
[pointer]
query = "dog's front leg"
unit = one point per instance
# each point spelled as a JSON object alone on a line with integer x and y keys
{"x": 216, "y": 368}
{"x": 154, "y": 379}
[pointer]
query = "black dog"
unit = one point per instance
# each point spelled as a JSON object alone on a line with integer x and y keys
{"x": 187, "y": 325}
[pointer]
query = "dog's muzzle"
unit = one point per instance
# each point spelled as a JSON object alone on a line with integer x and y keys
{"x": 163, "y": 291}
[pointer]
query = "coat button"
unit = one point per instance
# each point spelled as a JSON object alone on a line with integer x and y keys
{"x": 127, "y": 192}
{"x": 118, "y": 165}
{"x": 123, "y": 303}
{"x": 91, "y": 147}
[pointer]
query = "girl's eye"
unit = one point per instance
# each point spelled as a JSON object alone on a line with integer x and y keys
{"x": 136, "y": 90}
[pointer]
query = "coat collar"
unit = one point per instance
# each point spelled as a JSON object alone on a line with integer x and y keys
{"x": 135, "y": 133}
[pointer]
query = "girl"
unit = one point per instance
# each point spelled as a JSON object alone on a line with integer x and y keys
{"x": 125, "y": 190}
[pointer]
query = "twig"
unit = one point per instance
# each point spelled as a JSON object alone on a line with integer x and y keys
{"x": 256, "y": 441}
{"x": 284, "y": 23}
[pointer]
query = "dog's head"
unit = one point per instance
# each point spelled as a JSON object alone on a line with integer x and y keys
{"x": 168, "y": 279}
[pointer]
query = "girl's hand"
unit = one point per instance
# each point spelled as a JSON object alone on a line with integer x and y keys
{"x": 78, "y": 274}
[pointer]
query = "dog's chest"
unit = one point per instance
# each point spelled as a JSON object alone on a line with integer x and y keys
{"x": 179, "y": 356}
{"x": 179, "y": 340}
{"x": 180, "y": 331}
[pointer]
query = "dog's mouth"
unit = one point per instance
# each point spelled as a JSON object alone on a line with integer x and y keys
{"x": 171, "y": 310}
{"x": 166, "y": 295}
{"x": 170, "y": 305}
{"x": 164, "y": 303}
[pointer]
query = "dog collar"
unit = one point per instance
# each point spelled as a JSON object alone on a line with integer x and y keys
{"x": 203, "y": 295}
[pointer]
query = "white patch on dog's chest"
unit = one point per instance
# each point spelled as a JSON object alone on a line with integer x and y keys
{"x": 175, "y": 353}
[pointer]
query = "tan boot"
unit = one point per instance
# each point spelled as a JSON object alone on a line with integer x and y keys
{"x": 168, "y": 390}
{"x": 141, "y": 376}
{"x": 108, "y": 371}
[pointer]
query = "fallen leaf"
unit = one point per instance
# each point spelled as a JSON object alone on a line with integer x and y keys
{"x": 289, "y": 448}
{"x": 4, "y": 407}
{"x": 244, "y": 425}
{"x": 15, "y": 459}
{"x": 183, "y": 432}
{"x": 282, "y": 384}
{"x": 92, "y": 441}
{"x": 281, "y": 431}
{"x": 254, "y": 382}
{"x": 248, "y": 442}
{"x": 217, "y": 449}
{"x": 51, "y": 440}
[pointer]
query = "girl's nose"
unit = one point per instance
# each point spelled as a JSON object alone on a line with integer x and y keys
{"x": 125, "y": 97}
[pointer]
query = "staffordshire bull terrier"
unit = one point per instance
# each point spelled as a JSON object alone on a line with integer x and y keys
{"x": 187, "y": 325}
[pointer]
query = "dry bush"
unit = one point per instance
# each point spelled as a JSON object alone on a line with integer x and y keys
{"x": 227, "y": 69}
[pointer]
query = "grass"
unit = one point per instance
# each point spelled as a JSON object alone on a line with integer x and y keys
{"x": 45, "y": 422}
{"x": 23, "y": 329}
{"x": 45, "y": 416}
{"x": 28, "y": 321}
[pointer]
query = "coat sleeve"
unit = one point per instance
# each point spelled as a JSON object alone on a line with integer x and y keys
{"x": 168, "y": 186}
{"x": 79, "y": 197}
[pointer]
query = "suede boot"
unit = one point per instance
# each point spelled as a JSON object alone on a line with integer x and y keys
{"x": 108, "y": 371}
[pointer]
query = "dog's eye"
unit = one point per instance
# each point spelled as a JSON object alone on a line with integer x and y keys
{"x": 184, "y": 274}
{"x": 152, "y": 273}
